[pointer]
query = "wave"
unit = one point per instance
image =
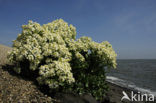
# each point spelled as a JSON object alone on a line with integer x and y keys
{"x": 128, "y": 84}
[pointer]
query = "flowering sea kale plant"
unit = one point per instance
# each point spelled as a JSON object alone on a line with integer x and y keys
{"x": 60, "y": 60}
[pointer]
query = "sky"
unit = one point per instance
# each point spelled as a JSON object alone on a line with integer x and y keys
{"x": 129, "y": 25}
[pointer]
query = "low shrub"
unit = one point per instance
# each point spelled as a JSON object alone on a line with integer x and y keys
{"x": 61, "y": 61}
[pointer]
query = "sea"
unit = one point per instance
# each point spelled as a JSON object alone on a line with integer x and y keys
{"x": 136, "y": 74}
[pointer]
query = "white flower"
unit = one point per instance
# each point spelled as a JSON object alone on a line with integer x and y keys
{"x": 51, "y": 48}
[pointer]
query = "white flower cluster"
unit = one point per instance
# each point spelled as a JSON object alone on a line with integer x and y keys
{"x": 51, "y": 48}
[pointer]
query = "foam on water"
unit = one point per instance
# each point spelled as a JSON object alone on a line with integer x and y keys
{"x": 128, "y": 84}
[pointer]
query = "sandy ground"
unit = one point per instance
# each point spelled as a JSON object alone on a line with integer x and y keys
{"x": 3, "y": 54}
{"x": 18, "y": 89}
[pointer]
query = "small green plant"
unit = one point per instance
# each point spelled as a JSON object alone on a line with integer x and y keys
{"x": 60, "y": 60}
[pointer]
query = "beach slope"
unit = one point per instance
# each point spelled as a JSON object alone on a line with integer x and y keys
{"x": 15, "y": 88}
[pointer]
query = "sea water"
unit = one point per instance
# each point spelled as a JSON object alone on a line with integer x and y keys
{"x": 135, "y": 74}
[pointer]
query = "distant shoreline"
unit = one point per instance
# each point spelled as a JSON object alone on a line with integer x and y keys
{"x": 136, "y": 59}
